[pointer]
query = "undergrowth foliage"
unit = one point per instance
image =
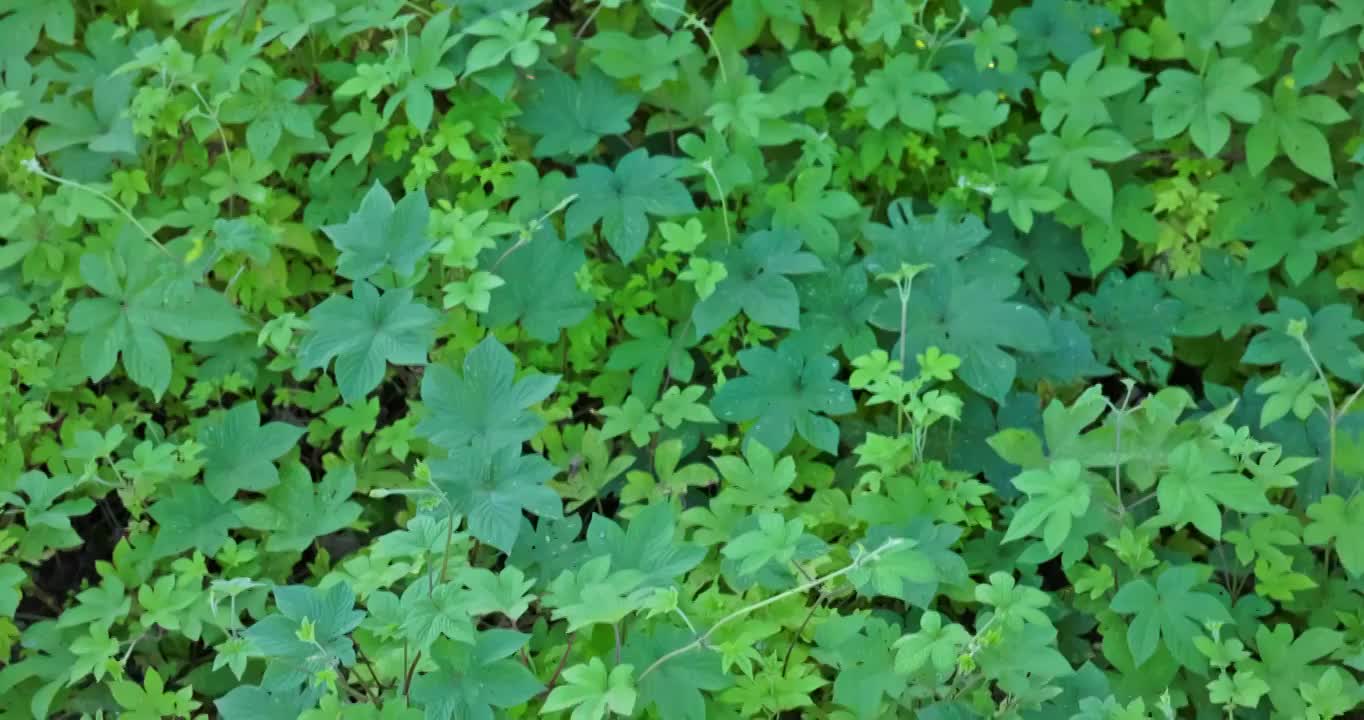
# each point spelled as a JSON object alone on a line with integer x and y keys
{"x": 933, "y": 359}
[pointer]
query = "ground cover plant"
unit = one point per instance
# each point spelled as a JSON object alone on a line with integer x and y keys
{"x": 647, "y": 358}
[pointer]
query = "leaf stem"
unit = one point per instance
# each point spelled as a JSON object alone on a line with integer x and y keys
{"x": 804, "y": 587}
{"x": 37, "y": 169}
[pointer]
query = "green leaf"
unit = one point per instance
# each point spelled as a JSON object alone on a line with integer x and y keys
{"x": 1172, "y": 611}
{"x": 652, "y": 351}
{"x": 1221, "y": 300}
{"x": 382, "y": 235}
{"x": 143, "y": 298}
{"x": 675, "y": 689}
{"x": 491, "y": 488}
{"x": 1078, "y": 98}
{"x": 975, "y": 115}
{"x": 594, "y": 594}
{"x": 1217, "y": 23}
{"x": 1293, "y": 233}
{"x": 296, "y": 511}
{"x": 861, "y": 650}
{"x": 1056, "y": 496}
{"x": 474, "y": 679}
{"x": 934, "y": 645}
{"x": 1199, "y": 484}
{"x": 429, "y": 613}
{"x": 592, "y": 692}
{"x": 239, "y": 452}
{"x": 330, "y": 615}
{"x": 901, "y": 90}
{"x": 785, "y": 392}
{"x": 1335, "y": 523}
{"x": 12, "y": 579}
{"x": 1330, "y": 333}
{"x": 1205, "y": 105}
{"x": 364, "y": 333}
{"x": 809, "y": 207}
{"x": 192, "y": 517}
{"x": 651, "y": 545}
{"x": 572, "y": 115}
{"x": 633, "y": 417}
{"x": 484, "y": 405}
{"x": 1125, "y": 337}
{"x": 1288, "y": 125}
{"x": 1288, "y": 661}
{"x": 623, "y": 200}
{"x": 654, "y": 60}
{"x": 774, "y": 540}
{"x": 541, "y": 289}
{"x": 757, "y": 283}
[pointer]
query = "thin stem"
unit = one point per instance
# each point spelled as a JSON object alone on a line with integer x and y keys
{"x": 1117, "y": 449}
{"x": 588, "y": 22}
{"x": 1332, "y": 416}
{"x": 568, "y": 649}
{"x": 38, "y": 170}
{"x": 709, "y": 167}
{"x": 741, "y": 612}
{"x": 414, "y": 6}
{"x": 696, "y": 22}
{"x": 449, "y": 539}
{"x": 791, "y": 645}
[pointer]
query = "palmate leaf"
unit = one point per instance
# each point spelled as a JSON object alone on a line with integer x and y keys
{"x": 484, "y": 405}
{"x": 571, "y": 115}
{"x": 1292, "y": 233}
{"x": 1205, "y": 105}
{"x": 623, "y": 199}
{"x": 239, "y": 452}
{"x": 1056, "y": 496}
{"x": 1173, "y": 611}
{"x": 757, "y": 282}
{"x": 653, "y": 350}
{"x": 785, "y": 392}
{"x": 382, "y": 234}
{"x": 901, "y": 90}
{"x": 1288, "y": 126}
{"x": 1129, "y": 338}
{"x": 297, "y": 510}
{"x": 860, "y": 648}
{"x": 675, "y": 688}
{"x": 650, "y": 544}
{"x": 965, "y": 308}
{"x": 191, "y": 517}
{"x": 491, "y": 488}
{"x": 1222, "y": 300}
{"x": 1330, "y": 332}
{"x": 364, "y": 333}
{"x": 143, "y": 299}
{"x": 475, "y": 678}
{"x": 541, "y": 289}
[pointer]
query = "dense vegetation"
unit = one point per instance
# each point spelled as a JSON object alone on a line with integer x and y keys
{"x": 934, "y": 359}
